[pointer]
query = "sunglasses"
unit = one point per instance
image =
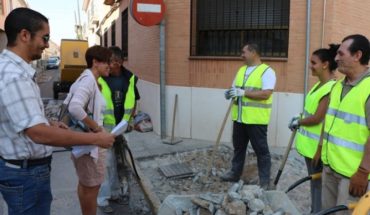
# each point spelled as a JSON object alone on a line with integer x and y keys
{"x": 46, "y": 38}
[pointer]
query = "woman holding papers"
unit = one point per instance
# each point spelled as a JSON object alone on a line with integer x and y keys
{"x": 86, "y": 104}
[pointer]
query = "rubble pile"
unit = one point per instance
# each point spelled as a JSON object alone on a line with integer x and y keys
{"x": 239, "y": 200}
{"x": 202, "y": 182}
{"x": 52, "y": 108}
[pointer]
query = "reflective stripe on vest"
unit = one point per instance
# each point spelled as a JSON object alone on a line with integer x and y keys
{"x": 130, "y": 99}
{"x": 307, "y": 139}
{"x": 109, "y": 119}
{"x": 346, "y": 132}
{"x": 347, "y": 117}
{"x": 246, "y": 110}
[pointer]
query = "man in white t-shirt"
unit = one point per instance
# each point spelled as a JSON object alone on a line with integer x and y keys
{"x": 252, "y": 94}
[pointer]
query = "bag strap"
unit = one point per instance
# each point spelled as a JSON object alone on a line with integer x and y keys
{"x": 63, "y": 110}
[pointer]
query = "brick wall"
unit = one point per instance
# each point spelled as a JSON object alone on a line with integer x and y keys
{"x": 342, "y": 18}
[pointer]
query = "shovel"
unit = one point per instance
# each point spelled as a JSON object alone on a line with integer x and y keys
{"x": 291, "y": 140}
{"x": 215, "y": 148}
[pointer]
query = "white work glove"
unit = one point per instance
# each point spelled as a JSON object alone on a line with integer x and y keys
{"x": 294, "y": 123}
{"x": 236, "y": 92}
{"x": 227, "y": 94}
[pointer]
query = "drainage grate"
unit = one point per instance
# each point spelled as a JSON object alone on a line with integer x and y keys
{"x": 176, "y": 170}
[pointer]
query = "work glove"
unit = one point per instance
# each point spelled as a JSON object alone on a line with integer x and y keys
{"x": 358, "y": 182}
{"x": 236, "y": 92}
{"x": 294, "y": 123}
{"x": 227, "y": 94}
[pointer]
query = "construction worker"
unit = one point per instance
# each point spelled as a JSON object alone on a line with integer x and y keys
{"x": 345, "y": 150}
{"x": 252, "y": 93}
{"x": 309, "y": 125}
{"x": 121, "y": 94}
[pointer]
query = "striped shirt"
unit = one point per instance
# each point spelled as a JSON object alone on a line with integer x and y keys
{"x": 21, "y": 108}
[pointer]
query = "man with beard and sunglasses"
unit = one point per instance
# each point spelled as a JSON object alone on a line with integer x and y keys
{"x": 26, "y": 136}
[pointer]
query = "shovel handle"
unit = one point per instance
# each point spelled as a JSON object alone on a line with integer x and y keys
{"x": 285, "y": 157}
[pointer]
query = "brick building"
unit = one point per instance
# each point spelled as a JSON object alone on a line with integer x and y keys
{"x": 5, "y": 7}
{"x": 203, "y": 43}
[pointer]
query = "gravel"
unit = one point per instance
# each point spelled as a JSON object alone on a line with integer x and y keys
{"x": 200, "y": 183}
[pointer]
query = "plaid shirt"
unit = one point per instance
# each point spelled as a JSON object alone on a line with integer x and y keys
{"x": 21, "y": 108}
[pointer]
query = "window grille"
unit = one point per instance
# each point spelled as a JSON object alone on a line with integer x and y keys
{"x": 222, "y": 27}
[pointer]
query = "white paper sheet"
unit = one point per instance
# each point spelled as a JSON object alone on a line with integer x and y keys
{"x": 120, "y": 128}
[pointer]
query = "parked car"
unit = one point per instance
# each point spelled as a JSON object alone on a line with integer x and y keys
{"x": 53, "y": 63}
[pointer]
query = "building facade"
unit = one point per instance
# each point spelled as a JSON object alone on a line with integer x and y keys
{"x": 5, "y": 7}
{"x": 203, "y": 40}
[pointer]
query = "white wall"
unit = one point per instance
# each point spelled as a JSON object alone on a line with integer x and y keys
{"x": 200, "y": 112}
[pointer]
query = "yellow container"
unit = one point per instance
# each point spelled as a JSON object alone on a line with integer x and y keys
{"x": 72, "y": 55}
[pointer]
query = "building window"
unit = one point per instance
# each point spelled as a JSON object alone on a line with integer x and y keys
{"x": 106, "y": 39}
{"x": 124, "y": 32}
{"x": 113, "y": 32}
{"x": 221, "y": 27}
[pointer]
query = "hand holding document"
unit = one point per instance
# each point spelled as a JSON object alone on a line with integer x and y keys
{"x": 120, "y": 128}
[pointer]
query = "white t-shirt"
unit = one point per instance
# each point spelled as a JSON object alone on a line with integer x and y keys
{"x": 268, "y": 78}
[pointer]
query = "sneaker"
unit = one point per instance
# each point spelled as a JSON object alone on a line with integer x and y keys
{"x": 106, "y": 209}
{"x": 229, "y": 176}
{"x": 123, "y": 200}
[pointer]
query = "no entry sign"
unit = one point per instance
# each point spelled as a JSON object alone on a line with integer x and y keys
{"x": 147, "y": 12}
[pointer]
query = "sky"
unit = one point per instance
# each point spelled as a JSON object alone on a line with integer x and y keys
{"x": 61, "y": 15}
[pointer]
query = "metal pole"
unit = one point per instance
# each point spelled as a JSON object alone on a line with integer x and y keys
{"x": 323, "y": 24}
{"x": 308, "y": 31}
{"x": 162, "y": 77}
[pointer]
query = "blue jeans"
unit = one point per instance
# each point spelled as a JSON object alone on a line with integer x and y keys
{"x": 26, "y": 191}
{"x": 111, "y": 185}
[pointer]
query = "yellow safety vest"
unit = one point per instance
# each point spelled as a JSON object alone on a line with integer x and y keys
{"x": 346, "y": 131}
{"x": 246, "y": 110}
{"x": 109, "y": 119}
{"x": 308, "y": 137}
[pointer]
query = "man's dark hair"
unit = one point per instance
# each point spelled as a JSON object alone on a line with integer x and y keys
{"x": 22, "y": 18}
{"x": 328, "y": 55}
{"x": 116, "y": 52}
{"x": 253, "y": 47}
{"x": 98, "y": 53}
{"x": 359, "y": 43}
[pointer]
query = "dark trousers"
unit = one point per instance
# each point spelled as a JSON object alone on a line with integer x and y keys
{"x": 315, "y": 185}
{"x": 257, "y": 134}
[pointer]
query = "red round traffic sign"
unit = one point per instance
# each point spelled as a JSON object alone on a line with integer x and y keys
{"x": 147, "y": 12}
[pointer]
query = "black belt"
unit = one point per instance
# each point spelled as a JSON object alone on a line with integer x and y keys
{"x": 28, "y": 163}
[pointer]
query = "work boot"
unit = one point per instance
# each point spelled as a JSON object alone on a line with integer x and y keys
{"x": 230, "y": 176}
{"x": 266, "y": 186}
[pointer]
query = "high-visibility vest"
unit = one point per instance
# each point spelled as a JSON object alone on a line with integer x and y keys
{"x": 308, "y": 137}
{"x": 246, "y": 110}
{"x": 346, "y": 131}
{"x": 109, "y": 120}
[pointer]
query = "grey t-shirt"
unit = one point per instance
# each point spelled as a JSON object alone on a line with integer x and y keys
{"x": 348, "y": 86}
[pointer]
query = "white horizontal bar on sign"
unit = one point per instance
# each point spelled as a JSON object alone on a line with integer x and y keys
{"x": 149, "y": 8}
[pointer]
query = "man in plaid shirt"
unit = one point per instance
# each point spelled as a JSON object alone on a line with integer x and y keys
{"x": 26, "y": 136}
